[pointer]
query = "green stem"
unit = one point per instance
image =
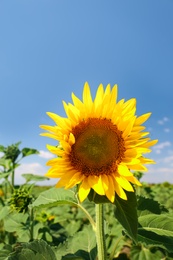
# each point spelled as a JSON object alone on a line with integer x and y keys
{"x": 112, "y": 254}
{"x": 5, "y": 188}
{"x": 88, "y": 216}
{"x": 31, "y": 224}
{"x": 12, "y": 178}
{"x": 100, "y": 236}
{"x": 2, "y": 202}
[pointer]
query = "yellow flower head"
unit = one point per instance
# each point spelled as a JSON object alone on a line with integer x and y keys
{"x": 100, "y": 141}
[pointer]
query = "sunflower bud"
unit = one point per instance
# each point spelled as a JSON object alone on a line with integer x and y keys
{"x": 20, "y": 200}
{"x": 12, "y": 152}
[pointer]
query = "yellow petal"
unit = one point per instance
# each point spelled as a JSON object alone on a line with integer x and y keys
{"x": 138, "y": 167}
{"x": 84, "y": 190}
{"x": 77, "y": 102}
{"x": 63, "y": 181}
{"x": 69, "y": 112}
{"x": 110, "y": 192}
{"x": 76, "y": 179}
{"x": 60, "y": 121}
{"x": 71, "y": 139}
{"x": 151, "y": 143}
{"x": 113, "y": 98}
{"x": 130, "y": 161}
{"x": 87, "y": 99}
{"x": 132, "y": 179}
{"x": 105, "y": 181}
{"x": 66, "y": 146}
{"x": 147, "y": 161}
{"x": 96, "y": 184}
{"x": 130, "y": 153}
{"x": 98, "y": 100}
{"x": 55, "y": 150}
{"x": 141, "y": 119}
{"x": 53, "y": 136}
{"x": 129, "y": 127}
{"x": 120, "y": 192}
{"x": 122, "y": 181}
{"x": 52, "y": 129}
{"x": 123, "y": 170}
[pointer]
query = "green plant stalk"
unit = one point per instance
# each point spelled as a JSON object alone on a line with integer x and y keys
{"x": 100, "y": 236}
{"x": 5, "y": 188}
{"x": 112, "y": 254}
{"x": 31, "y": 224}
{"x": 12, "y": 177}
{"x": 88, "y": 216}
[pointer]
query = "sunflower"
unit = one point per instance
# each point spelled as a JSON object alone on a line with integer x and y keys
{"x": 100, "y": 143}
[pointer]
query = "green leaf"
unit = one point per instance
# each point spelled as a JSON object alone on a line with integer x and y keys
{"x": 28, "y": 151}
{"x": 73, "y": 226}
{"x": 4, "y": 175}
{"x": 5, "y": 251}
{"x": 2, "y": 148}
{"x": 55, "y": 197}
{"x": 81, "y": 246}
{"x": 147, "y": 205}
{"x": 4, "y": 212}
{"x": 33, "y": 177}
{"x": 6, "y": 163}
{"x": 126, "y": 213}
{"x": 156, "y": 229}
{"x": 36, "y": 250}
{"x": 17, "y": 222}
{"x": 140, "y": 252}
{"x": 96, "y": 198}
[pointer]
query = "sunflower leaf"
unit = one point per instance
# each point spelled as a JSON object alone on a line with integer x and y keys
{"x": 147, "y": 206}
{"x": 80, "y": 246}
{"x": 157, "y": 230}
{"x": 55, "y": 197}
{"x": 96, "y": 198}
{"x": 28, "y": 151}
{"x": 139, "y": 252}
{"x": 33, "y": 177}
{"x": 37, "y": 250}
{"x": 126, "y": 213}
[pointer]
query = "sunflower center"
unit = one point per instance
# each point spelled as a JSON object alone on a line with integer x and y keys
{"x": 98, "y": 148}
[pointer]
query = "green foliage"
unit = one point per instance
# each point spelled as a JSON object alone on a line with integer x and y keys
{"x": 81, "y": 246}
{"x": 157, "y": 230}
{"x": 96, "y": 198}
{"x": 11, "y": 152}
{"x": 60, "y": 222}
{"x": 36, "y": 250}
{"x": 28, "y": 151}
{"x": 33, "y": 177}
{"x": 20, "y": 199}
{"x": 56, "y": 225}
{"x": 55, "y": 197}
{"x": 126, "y": 213}
{"x": 140, "y": 252}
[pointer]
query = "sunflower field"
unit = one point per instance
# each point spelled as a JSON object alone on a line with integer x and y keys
{"x": 99, "y": 209}
{"x": 39, "y": 222}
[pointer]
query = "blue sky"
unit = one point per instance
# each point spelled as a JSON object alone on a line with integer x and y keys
{"x": 48, "y": 49}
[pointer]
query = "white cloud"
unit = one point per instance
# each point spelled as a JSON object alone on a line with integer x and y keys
{"x": 159, "y": 147}
{"x": 34, "y": 168}
{"x": 45, "y": 154}
{"x": 158, "y": 151}
{"x": 168, "y": 159}
{"x": 167, "y": 130}
{"x": 163, "y": 120}
{"x": 158, "y": 174}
